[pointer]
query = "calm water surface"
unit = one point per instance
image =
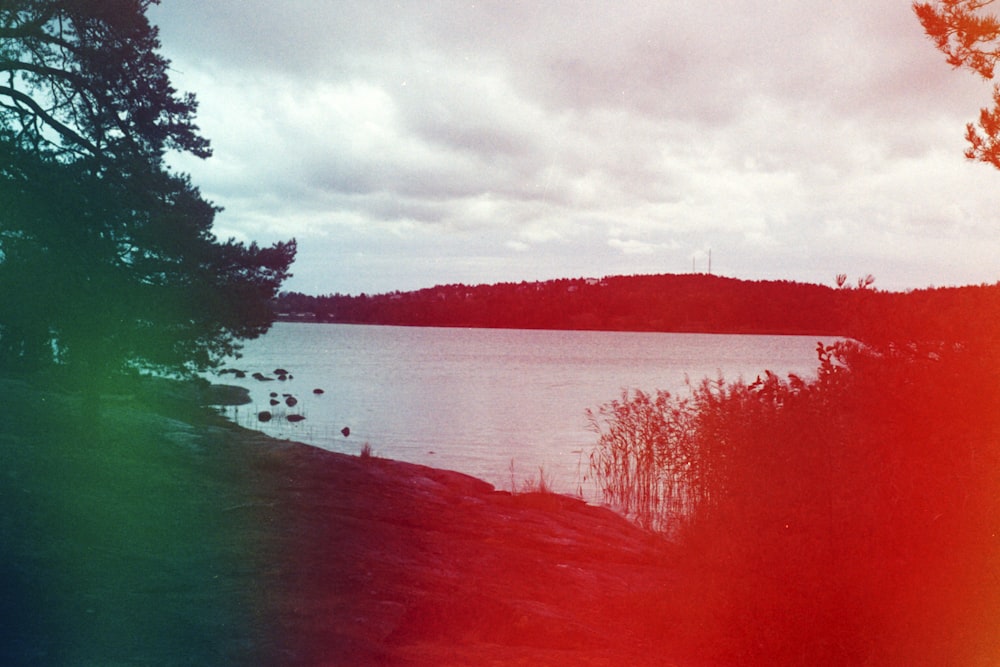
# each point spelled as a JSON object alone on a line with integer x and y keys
{"x": 476, "y": 400}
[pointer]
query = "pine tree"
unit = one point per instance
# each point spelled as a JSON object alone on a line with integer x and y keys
{"x": 108, "y": 262}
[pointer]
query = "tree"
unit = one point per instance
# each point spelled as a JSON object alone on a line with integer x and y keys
{"x": 970, "y": 38}
{"x": 107, "y": 258}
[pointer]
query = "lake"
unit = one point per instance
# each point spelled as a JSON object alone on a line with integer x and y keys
{"x": 499, "y": 404}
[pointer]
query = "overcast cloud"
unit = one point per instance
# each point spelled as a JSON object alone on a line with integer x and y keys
{"x": 408, "y": 144}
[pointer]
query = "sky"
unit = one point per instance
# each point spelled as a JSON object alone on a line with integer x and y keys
{"x": 412, "y": 144}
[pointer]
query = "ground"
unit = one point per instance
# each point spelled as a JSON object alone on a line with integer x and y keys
{"x": 159, "y": 533}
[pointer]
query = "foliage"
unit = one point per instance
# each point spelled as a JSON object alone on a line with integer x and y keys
{"x": 107, "y": 259}
{"x": 849, "y": 519}
{"x": 84, "y": 79}
{"x": 678, "y": 302}
{"x": 970, "y": 38}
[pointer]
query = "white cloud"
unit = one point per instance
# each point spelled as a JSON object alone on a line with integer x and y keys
{"x": 798, "y": 140}
{"x": 636, "y": 247}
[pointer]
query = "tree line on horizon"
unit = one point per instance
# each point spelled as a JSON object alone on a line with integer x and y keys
{"x": 666, "y": 302}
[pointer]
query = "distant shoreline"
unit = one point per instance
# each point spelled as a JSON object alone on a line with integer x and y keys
{"x": 304, "y": 319}
{"x": 670, "y": 303}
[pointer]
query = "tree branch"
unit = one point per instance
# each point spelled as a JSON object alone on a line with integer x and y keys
{"x": 59, "y": 127}
{"x": 31, "y": 28}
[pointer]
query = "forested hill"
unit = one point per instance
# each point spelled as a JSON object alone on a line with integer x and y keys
{"x": 669, "y": 302}
{"x": 674, "y": 302}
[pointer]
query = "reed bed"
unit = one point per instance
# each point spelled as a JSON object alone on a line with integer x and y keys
{"x": 848, "y": 519}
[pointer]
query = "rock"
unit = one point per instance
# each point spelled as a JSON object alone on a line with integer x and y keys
{"x": 223, "y": 394}
{"x": 455, "y": 572}
{"x": 363, "y": 562}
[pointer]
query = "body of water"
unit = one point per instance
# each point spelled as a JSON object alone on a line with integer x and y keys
{"x": 476, "y": 400}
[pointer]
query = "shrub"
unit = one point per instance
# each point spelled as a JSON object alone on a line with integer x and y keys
{"x": 843, "y": 520}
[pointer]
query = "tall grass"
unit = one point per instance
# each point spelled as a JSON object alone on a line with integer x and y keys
{"x": 646, "y": 459}
{"x": 848, "y": 519}
{"x": 541, "y": 484}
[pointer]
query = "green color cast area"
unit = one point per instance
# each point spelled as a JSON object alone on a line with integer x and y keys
{"x": 115, "y": 547}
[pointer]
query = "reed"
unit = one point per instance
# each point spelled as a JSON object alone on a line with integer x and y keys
{"x": 807, "y": 513}
{"x": 645, "y": 459}
{"x": 540, "y": 484}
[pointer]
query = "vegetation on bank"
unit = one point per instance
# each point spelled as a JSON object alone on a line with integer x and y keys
{"x": 849, "y": 519}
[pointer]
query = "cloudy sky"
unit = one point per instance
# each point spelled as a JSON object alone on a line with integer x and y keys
{"x": 410, "y": 144}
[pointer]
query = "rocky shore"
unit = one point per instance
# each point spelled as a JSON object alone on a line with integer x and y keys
{"x": 169, "y": 536}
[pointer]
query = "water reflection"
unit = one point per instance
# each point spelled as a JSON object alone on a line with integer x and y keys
{"x": 476, "y": 399}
